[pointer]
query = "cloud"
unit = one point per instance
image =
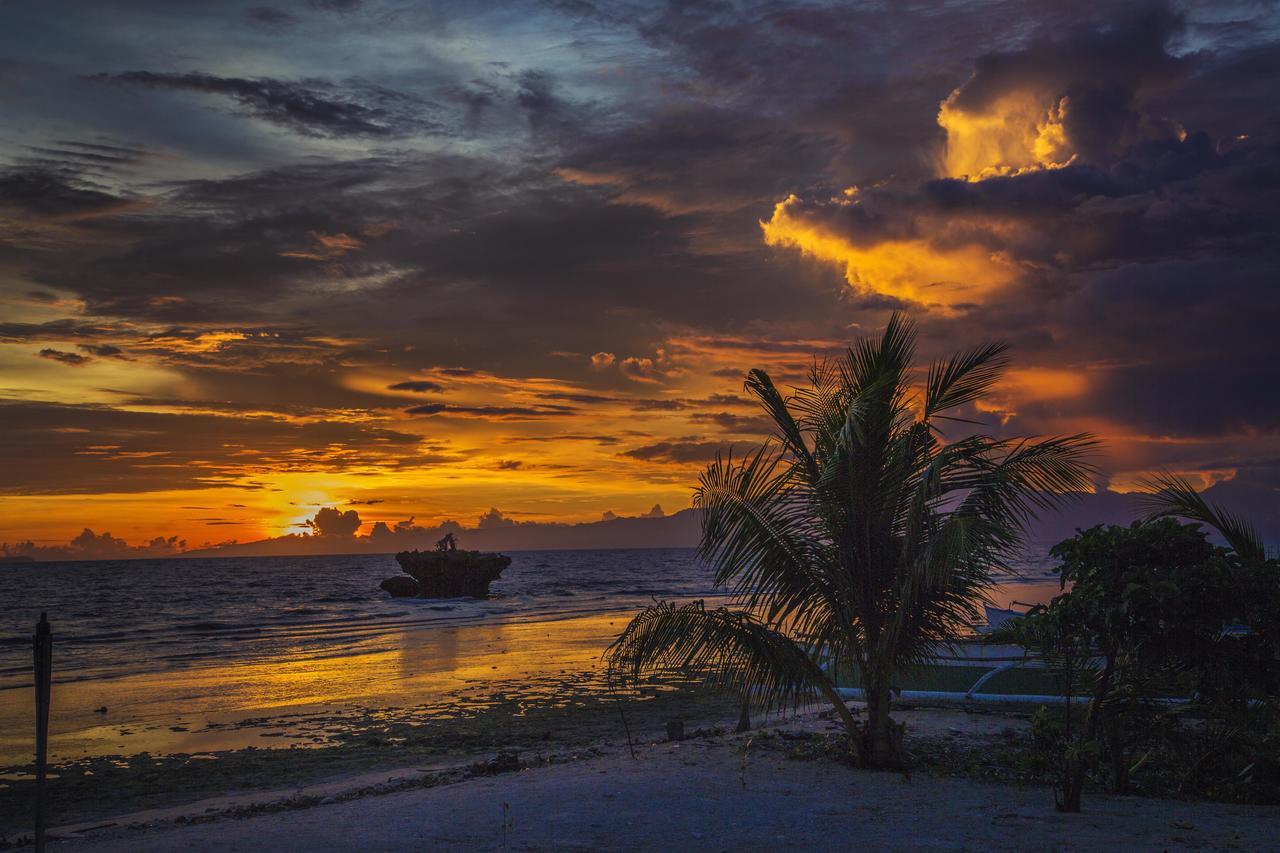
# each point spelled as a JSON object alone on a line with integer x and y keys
{"x": 94, "y": 546}
{"x": 494, "y": 519}
{"x": 104, "y": 350}
{"x": 330, "y": 521}
{"x": 640, "y": 369}
{"x": 490, "y": 412}
{"x": 1053, "y": 163}
{"x": 65, "y": 449}
{"x": 271, "y": 19}
{"x": 71, "y": 358}
{"x": 314, "y": 108}
{"x": 47, "y": 193}
{"x": 421, "y": 386}
{"x": 729, "y": 422}
{"x": 680, "y": 452}
{"x": 342, "y": 6}
{"x": 615, "y": 165}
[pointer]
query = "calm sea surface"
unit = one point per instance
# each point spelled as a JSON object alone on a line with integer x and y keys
{"x": 116, "y": 618}
{"x": 119, "y": 618}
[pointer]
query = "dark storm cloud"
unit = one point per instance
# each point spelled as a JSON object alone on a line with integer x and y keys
{"x": 1139, "y": 188}
{"x": 705, "y": 158}
{"x": 271, "y": 18}
{"x": 1170, "y": 375}
{"x": 1114, "y": 59}
{"x": 313, "y": 107}
{"x": 1162, "y": 198}
{"x": 48, "y": 193}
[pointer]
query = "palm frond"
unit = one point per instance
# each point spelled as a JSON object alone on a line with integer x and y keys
{"x": 727, "y": 647}
{"x": 759, "y": 542}
{"x": 963, "y": 378}
{"x": 1170, "y": 495}
{"x": 788, "y": 430}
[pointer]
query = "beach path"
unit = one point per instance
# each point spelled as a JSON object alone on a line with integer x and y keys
{"x": 715, "y": 794}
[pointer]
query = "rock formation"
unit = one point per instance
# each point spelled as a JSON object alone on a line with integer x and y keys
{"x": 402, "y": 586}
{"x": 446, "y": 573}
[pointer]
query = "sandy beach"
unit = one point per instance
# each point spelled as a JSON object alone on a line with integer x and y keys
{"x": 713, "y": 791}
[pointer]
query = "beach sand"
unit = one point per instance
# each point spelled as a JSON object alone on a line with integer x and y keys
{"x": 415, "y": 697}
{"x": 712, "y": 792}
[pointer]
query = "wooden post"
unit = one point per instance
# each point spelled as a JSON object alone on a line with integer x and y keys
{"x": 744, "y": 718}
{"x": 42, "y": 644}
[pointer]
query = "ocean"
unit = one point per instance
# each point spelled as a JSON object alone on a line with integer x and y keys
{"x": 123, "y": 618}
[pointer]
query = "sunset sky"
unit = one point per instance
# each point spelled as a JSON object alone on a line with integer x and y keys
{"x": 422, "y": 260}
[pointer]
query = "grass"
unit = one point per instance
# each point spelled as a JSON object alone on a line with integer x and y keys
{"x": 958, "y": 679}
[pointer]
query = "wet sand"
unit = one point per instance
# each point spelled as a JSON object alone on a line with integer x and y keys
{"x": 300, "y": 699}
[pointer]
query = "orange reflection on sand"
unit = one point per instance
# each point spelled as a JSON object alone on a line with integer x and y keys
{"x": 208, "y": 706}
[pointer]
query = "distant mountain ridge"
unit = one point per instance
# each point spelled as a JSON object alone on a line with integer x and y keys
{"x": 337, "y": 532}
{"x": 678, "y": 530}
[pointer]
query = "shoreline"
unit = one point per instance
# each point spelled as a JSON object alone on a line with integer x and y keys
{"x": 198, "y": 708}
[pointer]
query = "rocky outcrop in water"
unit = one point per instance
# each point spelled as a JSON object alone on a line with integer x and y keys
{"x": 446, "y": 573}
{"x": 402, "y": 586}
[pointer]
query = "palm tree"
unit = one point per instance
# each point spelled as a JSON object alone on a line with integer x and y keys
{"x": 861, "y": 539}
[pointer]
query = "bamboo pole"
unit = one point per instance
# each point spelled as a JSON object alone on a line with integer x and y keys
{"x": 42, "y": 647}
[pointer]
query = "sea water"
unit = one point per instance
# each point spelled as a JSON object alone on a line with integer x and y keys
{"x": 113, "y": 618}
{"x": 129, "y": 617}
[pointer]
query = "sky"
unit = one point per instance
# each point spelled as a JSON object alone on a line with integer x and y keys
{"x": 432, "y": 260}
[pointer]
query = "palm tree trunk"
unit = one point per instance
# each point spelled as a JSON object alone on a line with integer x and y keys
{"x": 878, "y": 742}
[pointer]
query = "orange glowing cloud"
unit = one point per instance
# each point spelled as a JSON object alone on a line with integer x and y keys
{"x": 915, "y": 268}
{"x": 1020, "y": 132}
{"x": 327, "y": 247}
{"x": 913, "y": 246}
